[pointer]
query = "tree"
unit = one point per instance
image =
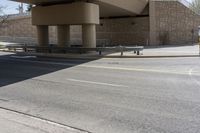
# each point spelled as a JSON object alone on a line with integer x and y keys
{"x": 3, "y": 16}
{"x": 1, "y": 10}
{"x": 195, "y": 6}
{"x": 29, "y": 7}
{"x": 20, "y": 8}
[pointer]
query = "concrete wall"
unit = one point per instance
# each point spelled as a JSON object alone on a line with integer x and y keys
{"x": 18, "y": 29}
{"x": 124, "y": 31}
{"x": 172, "y": 22}
{"x": 127, "y": 31}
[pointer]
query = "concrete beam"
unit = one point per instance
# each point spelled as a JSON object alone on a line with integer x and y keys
{"x": 77, "y": 13}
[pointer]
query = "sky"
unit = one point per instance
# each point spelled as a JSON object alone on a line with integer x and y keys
{"x": 11, "y": 6}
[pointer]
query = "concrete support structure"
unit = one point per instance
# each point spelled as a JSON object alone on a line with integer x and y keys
{"x": 69, "y": 14}
{"x": 130, "y": 22}
{"x": 43, "y": 35}
{"x": 63, "y": 35}
{"x": 79, "y": 12}
{"x": 89, "y": 35}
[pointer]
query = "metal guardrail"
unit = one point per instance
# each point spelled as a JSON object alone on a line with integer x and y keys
{"x": 56, "y": 49}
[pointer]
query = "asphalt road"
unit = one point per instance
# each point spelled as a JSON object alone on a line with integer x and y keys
{"x": 155, "y": 95}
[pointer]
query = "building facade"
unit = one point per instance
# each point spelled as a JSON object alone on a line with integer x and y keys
{"x": 159, "y": 23}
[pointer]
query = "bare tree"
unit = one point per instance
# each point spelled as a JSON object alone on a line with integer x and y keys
{"x": 195, "y": 6}
{"x": 1, "y": 10}
{"x": 29, "y": 7}
{"x": 3, "y": 16}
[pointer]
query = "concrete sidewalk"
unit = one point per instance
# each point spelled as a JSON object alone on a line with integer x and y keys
{"x": 16, "y": 122}
{"x": 170, "y": 51}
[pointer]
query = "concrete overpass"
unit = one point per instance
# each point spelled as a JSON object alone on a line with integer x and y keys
{"x": 63, "y": 13}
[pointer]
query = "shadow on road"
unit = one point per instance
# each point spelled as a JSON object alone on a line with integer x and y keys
{"x": 13, "y": 70}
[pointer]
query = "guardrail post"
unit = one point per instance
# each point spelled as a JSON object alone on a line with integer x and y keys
{"x": 122, "y": 53}
{"x": 138, "y": 52}
{"x": 122, "y": 50}
{"x": 25, "y": 48}
{"x": 100, "y": 52}
{"x": 80, "y": 51}
{"x": 64, "y": 50}
{"x": 50, "y": 49}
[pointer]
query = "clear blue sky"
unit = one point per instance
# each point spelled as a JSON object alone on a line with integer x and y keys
{"x": 11, "y": 6}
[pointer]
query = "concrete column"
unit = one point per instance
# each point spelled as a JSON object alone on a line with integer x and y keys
{"x": 89, "y": 35}
{"x": 43, "y": 35}
{"x": 63, "y": 32}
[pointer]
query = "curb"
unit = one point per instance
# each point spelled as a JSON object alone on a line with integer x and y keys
{"x": 59, "y": 55}
{"x": 102, "y": 56}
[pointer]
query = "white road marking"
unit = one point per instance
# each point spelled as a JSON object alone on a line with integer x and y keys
{"x": 97, "y": 83}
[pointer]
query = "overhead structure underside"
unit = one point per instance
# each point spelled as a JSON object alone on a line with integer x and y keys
{"x": 108, "y": 8}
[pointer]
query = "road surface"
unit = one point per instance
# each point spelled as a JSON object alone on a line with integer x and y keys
{"x": 155, "y": 95}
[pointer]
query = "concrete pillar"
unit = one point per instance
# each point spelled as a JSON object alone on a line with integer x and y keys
{"x": 89, "y": 35}
{"x": 63, "y": 32}
{"x": 43, "y": 35}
